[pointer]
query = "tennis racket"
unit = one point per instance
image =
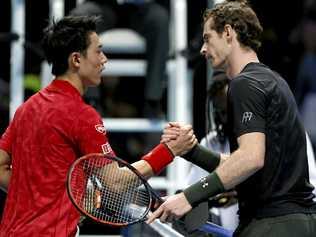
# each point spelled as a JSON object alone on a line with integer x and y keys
{"x": 109, "y": 190}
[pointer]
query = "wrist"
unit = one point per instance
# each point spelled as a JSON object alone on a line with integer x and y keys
{"x": 202, "y": 190}
{"x": 159, "y": 158}
{"x": 203, "y": 157}
{"x": 172, "y": 148}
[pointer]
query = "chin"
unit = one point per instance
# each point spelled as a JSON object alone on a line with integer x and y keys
{"x": 219, "y": 65}
{"x": 97, "y": 81}
{"x": 216, "y": 65}
{"x": 213, "y": 63}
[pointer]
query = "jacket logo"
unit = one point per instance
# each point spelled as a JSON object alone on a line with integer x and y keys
{"x": 100, "y": 128}
{"x": 246, "y": 117}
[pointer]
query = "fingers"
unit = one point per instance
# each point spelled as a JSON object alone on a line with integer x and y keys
{"x": 156, "y": 205}
{"x": 162, "y": 214}
{"x": 166, "y": 138}
{"x": 156, "y": 214}
{"x": 187, "y": 127}
{"x": 170, "y": 132}
{"x": 175, "y": 129}
{"x": 171, "y": 129}
{"x": 173, "y": 208}
{"x": 193, "y": 141}
{"x": 164, "y": 198}
{"x": 178, "y": 137}
{"x": 190, "y": 138}
{"x": 165, "y": 217}
{"x": 174, "y": 124}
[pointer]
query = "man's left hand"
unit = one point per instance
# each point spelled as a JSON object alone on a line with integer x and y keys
{"x": 173, "y": 208}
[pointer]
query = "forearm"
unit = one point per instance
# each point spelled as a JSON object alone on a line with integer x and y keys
{"x": 144, "y": 168}
{"x": 237, "y": 169}
{"x": 231, "y": 173}
{"x": 245, "y": 161}
{"x": 205, "y": 158}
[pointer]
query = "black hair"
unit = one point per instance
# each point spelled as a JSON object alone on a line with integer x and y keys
{"x": 68, "y": 35}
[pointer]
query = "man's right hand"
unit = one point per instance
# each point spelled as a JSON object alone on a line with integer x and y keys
{"x": 179, "y": 138}
{"x": 171, "y": 132}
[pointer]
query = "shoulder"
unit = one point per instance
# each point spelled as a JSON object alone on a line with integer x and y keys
{"x": 255, "y": 77}
{"x": 88, "y": 121}
{"x": 87, "y": 112}
{"x": 77, "y": 113}
{"x": 244, "y": 85}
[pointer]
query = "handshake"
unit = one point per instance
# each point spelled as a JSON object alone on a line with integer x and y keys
{"x": 179, "y": 138}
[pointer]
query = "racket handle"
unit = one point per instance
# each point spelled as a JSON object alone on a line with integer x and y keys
{"x": 156, "y": 203}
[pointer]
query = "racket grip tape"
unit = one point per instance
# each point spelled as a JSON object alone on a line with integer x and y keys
{"x": 159, "y": 158}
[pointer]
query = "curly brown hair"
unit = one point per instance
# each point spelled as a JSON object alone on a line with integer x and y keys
{"x": 242, "y": 19}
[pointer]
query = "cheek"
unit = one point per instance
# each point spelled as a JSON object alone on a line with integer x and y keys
{"x": 218, "y": 54}
{"x": 210, "y": 47}
{"x": 216, "y": 49}
{"x": 221, "y": 53}
{"x": 94, "y": 64}
{"x": 98, "y": 62}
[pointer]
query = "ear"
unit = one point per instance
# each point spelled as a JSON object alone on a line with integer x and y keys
{"x": 228, "y": 32}
{"x": 75, "y": 59}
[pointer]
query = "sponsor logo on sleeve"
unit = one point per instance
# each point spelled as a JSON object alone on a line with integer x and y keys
{"x": 106, "y": 148}
{"x": 246, "y": 117}
{"x": 100, "y": 128}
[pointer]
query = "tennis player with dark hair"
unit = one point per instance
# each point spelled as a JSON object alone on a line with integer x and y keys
{"x": 268, "y": 161}
{"x": 55, "y": 127}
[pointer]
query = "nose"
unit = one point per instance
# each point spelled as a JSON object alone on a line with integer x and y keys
{"x": 104, "y": 59}
{"x": 203, "y": 50}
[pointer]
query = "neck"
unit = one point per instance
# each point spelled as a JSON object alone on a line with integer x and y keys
{"x": 74, "y": 81}
{"x": 240, "y": 57}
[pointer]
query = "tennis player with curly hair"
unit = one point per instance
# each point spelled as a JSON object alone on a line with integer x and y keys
{"x": 268, "y": 160}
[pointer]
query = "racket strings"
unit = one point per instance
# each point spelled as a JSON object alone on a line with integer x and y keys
{"x": 109, "y": 193}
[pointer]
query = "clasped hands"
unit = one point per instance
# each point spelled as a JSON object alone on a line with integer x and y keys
{"x": 180, "y": 139}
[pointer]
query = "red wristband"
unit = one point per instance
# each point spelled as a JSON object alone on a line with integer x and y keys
{"x": 159, "y": 158}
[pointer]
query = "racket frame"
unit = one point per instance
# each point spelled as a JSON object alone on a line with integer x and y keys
{"x": 151, "y": 193}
